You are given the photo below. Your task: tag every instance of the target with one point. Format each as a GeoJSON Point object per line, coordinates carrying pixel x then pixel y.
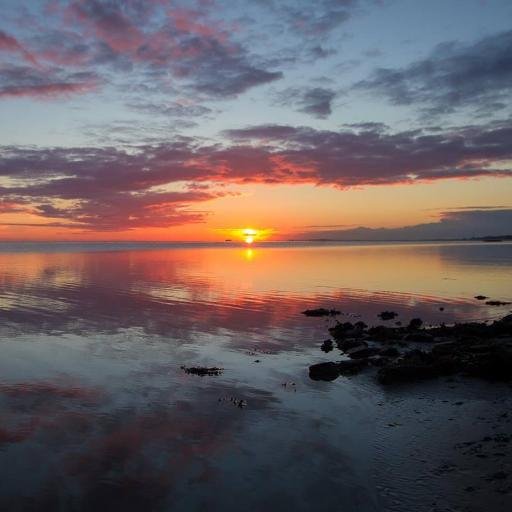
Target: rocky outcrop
{"type": "Point", "coordinates": [475, 349]}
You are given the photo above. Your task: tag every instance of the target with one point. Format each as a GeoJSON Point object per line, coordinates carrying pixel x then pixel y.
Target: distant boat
{"type": "Point", "coordinates": [228, 240]}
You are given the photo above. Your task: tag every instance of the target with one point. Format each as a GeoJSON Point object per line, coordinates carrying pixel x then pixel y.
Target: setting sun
{"type": "Point", "coordinates": [250, 235]}
{"type": "Point", "coordinates": [246, 235]}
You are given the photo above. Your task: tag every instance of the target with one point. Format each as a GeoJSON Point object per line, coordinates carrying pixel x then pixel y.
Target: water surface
{"type": "Point", "coordinates": [98, 415]}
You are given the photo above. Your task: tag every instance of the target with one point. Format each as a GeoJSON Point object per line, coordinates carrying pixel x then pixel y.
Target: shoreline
{"type": "Point", "coordinates": [441, 397]}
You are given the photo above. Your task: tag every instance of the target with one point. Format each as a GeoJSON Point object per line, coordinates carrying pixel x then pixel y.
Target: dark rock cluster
{"type": "Point", "coordinates": [202, 371]}
{"type": "Point", "coordinates": [474, 349]}
{"type": "Point", "coordinates": [321, 312]}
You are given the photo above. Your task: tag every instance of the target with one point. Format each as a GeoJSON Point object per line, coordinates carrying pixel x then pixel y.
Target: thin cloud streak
{"type": "Point", "coordinates": [451, 225]}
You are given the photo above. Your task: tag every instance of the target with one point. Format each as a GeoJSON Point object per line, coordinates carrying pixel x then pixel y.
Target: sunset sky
{"type": "Point", "coordinates": [164, 120]}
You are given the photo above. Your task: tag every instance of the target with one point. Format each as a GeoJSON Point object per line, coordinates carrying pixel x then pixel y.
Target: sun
{"type": "Point", "coordinates": [249, 235]}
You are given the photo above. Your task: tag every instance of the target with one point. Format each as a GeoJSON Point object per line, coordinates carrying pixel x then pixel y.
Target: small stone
{"type": "Point", "coordinates": [387, 315]}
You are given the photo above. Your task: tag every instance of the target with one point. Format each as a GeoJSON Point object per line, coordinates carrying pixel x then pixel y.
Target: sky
{"type": "Point", "coordinates": [187, 120]}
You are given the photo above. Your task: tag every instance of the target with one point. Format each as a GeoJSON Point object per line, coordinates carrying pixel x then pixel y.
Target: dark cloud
{"type": "Point", "coordinates": [316, 101]}
{"type": "Point", "coordinates": [216, 70]}
{"type": "Point", "coordinates": [103, 188]}
{"type": "Point", "coordinates": [150, 41]}
{"type": "Point", "coordinates": [10, 44]}
{"type": "Point", "coordinates": [453, 224]}
{"type": "Point", "coordinates": [18, 81]}
{"type": "Point", "coordinates": [127, 211]}
{"type": "Point", "coordinates": [62, 47]}
{"type": "Point", "coordinates": [108, 188]}
{"type": "Point", "coordinates": [454, 76]}
{"type": "Point", "coordinates": [185, 44]}
{"type": "Point", "coordinates": [374, 156]}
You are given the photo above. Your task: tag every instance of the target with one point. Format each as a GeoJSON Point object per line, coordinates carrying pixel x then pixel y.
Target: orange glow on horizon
{"type": "Point", "coordinates": [250, 235]}
{"type": "Point", "coordinates": [247, 235]}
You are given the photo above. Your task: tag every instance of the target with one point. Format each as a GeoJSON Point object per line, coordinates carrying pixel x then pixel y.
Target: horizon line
{"type": "Point", "coordinates": [242, 243]}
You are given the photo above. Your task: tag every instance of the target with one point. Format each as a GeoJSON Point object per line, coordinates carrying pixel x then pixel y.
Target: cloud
{"type": "Point", "coordinates": [159, 40]}
{"type": "Point", "coordinates": [103, 188]}
{"type": "Point", "coordinates": [319, 52]}
{"type": "Point", "coordinates": [219, 72]}
{"type": "Point", "coordinates": [141, 42]}
{"type": "Point", "coordinates": [316, 101]}
{"type": "Point", "coordinates": [454, 76]}
{"type": "Point", "coordinates": [22, 81]}
{"type": "Point", "coordinates": [12, 45]}
{"type": "Point", "coordinates": [108, 188]}
{"type": "Point", "coordinates": [62, 47]}
{"type": "Point", "coordinates": [375, 156]}
{"type": "Point", "coordinates": [126, 211]}
{"type": "Point", "coordinates": [46, 90]}
{"type": "Point", "coordinates": [313, 19]}
{"type": "Point", "coordinates": [453, 224]}
{"type": "Point", "coordinates": [171, 109]}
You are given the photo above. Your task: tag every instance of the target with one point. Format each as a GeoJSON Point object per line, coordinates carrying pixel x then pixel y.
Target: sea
{"type": "Point", "coordinates": [98, 412]}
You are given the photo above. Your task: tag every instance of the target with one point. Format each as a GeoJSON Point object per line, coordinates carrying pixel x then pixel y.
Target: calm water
{"type": "Point", "coordinates": [96, 413]}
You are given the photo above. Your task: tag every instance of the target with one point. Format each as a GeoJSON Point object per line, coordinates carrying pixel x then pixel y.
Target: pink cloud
{"type": "Point", "coordinates": [107, 23]}
{"type": "Point", "coordinates": [11, 44]}
{"type": "Point", "coordinates": [114, 189]}
{"type": "Point", "coordinates": [47, 90]}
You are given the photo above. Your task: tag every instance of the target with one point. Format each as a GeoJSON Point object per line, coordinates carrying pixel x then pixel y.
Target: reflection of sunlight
{"type": "Point", "coordinates": [249, 239]}
{"type": "Point", "coordinates": [249, 254]}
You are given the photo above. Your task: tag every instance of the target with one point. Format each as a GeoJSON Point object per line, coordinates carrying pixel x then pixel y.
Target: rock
{"type": "Point", "coordinates": [481, 297]}
{"type": "Point", "coordinates": [416, 365]}
{"type": "Point", "coordinates": [500, 475]}
{"type": "Point", "coordinates": [339, 331]}
{"type": "Point", "coordinates": [346, 345]}
{"type": "Point", "coordinates": [362, 352]}
{"type": "Point", "coordinates": [327, 346]}
{"type": "Point", "coordinates": [320, 312]}
{"type": "Point", "coordinates": [347, 330]}
{"type": "Point", "coordinates": [447, 347]}
{"type": "Point", "coordinates": [507, 320]}
{"type": "Point", "coordinates": [387, 315]}
{"type": "Point", "coordinates": [421, 337]}
{"type": "Point", "coordinates": [389, 352]}
{"type": "Point", "coordinates": [202, 371]}
{"type": "Point", "coordinates": [415, 323]}
{"type": "Point", "coordinates": [478, 349]}
{"type": "Point", "coordinates": [383, 333]}
{"type": "Point", "coordinates": [495, 365]}
{"type": "Point", "coordinates": [324, 371]}
{"type": "Point", "coordinates": [379, 361]}
{"type": "Point", "coordinates": [497, 303]}
{"type": "Point", "coordinates": [352, 367]}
